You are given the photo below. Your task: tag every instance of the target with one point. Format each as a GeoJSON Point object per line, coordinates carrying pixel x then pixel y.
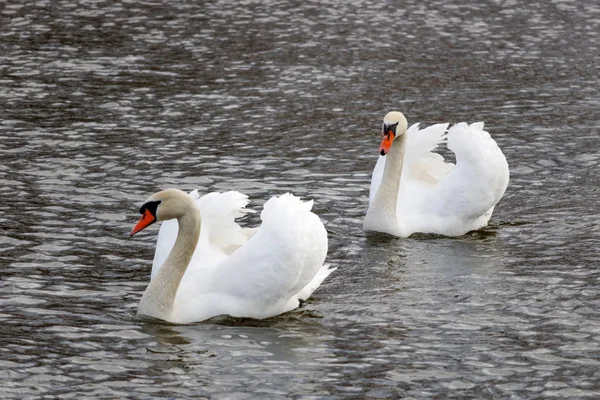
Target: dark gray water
{"type": "Point", "coordinates": [102, 104]}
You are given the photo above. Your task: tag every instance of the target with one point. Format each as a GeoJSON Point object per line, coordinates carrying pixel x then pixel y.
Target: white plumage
{"type": "Point", "coordinates": [435, 196]}
{"type": "Point", "coordinates": [255, 273]}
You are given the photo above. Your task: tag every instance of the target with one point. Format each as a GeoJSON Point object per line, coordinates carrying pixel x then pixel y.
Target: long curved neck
{"type": "Point", "coordinates": [159, 298]}
{"type": "Point", "coordinates": [381, 215]}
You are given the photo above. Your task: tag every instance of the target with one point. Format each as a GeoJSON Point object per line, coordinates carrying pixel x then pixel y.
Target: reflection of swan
{"type": "Point", "coordinates": [240, 346]}
{"type": "Point", "coordinates": [213, 268]}
{"type": "Point", "coordinates": [414, 190]}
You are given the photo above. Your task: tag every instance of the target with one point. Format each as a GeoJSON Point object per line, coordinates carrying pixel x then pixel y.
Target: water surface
{"type": "Point", "coordinates": [102, 104]}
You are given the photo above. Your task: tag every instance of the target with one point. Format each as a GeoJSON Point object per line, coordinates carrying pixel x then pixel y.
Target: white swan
{"type": "Point", "coordinates": [415, 190]}
{"type": "Point", "coordinates": [206, 265]}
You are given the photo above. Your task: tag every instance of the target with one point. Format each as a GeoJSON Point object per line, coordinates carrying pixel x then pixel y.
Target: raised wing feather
{"type": "Point", "coordinates": [219, 211]}
{"type": "Point", "coordinates": [420, 162]}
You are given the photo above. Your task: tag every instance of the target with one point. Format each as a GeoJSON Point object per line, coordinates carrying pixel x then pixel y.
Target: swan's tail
{"type": "Point", "coordinates": [308, 290]}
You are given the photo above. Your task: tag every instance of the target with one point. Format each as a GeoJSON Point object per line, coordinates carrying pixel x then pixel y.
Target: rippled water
{"type": "Point", "coordinates": [102, 104]}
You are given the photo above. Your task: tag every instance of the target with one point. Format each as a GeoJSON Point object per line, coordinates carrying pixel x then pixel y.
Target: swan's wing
{"type": "Point", "coordinates": [483, 167]}
{"type": "Point", "coordinates": [280, 259]}
{"type": "Point", "coordinates": [479, 180]}
{"type": "Point", "coordinates": [219, 211]}
{"type": "Point", "coordinates": [420, 162]}
{"type": "Point", "coordinates": [219, 233]}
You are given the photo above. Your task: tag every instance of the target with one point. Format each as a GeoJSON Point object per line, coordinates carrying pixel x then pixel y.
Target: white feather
{"type": "Point", "coordinates": [439, 197]}
{"type": "Point", "coordinates": [267, 273]}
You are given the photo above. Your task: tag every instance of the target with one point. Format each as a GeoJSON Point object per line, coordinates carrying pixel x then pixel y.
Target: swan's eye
{"type": "Point", "coordinates": [392, 127]}
{"type": "Point", "coordinates": [151, 206]}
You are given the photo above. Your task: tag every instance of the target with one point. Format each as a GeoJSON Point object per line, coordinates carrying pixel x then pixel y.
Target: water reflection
{"type": "Point", "coordinates": [285, 343]}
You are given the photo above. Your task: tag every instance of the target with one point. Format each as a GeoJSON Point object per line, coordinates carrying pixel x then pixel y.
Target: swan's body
{"type": "Point", "coordinates": [415, 190]}
{"type": "Point", "coordinates": [206, 265]}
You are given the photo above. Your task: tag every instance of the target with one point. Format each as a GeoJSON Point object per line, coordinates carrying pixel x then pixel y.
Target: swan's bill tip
{"type": "Point", "coordinates": [386, 142]}
{"type": "Point", "coordinates": [145, 221]}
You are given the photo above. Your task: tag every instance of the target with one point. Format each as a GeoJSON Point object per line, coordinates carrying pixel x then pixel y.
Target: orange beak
{"type": "Point", "coordinates": [386, 143]}
{"type": "Point", "coordinates": [146, 220]}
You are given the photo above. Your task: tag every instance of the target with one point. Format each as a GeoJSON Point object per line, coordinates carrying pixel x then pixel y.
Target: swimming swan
{"type": "Point", "coordinates": [206, 265]}
{"type": "Point", "coordinates": [415, 190]}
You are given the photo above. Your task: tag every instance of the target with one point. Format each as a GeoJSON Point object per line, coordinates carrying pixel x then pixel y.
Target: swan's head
{"type": "Point", "coordinates": [161, 206]}
{"type": "Point", "coordinates": [394, 125]}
